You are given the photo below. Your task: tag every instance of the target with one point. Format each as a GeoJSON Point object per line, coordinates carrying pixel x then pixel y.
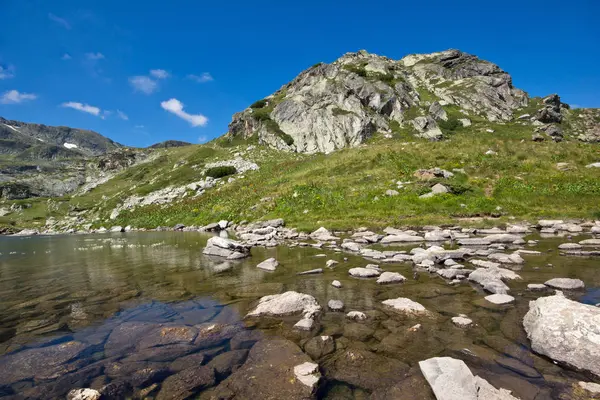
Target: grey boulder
{"type": "Point", "coordinates": [565, 331]}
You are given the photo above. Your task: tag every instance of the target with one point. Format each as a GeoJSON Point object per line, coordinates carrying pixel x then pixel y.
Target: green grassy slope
{"type": "Point", "coordinates": [346, 188]}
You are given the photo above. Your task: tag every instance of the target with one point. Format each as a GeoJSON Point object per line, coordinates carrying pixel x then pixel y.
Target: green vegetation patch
{"type": "Point", "coordinates": [219, 172]}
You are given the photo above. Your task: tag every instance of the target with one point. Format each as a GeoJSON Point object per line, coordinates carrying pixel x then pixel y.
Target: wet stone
{"type": "Point", "coordinates": [267, 374]}
{"type": "Point", "coordinates": [245, 339]}
{"type": "Point", "coordinates": [356, 331]}
{"type": "Point", "coordinates": [364, 369]}
{"type": "Point", "coordinates": [186, 383]}
{"type": "Point", "coordinates": [225, 363]}
{"type": "Point", "coordinates": [319, 346]}
{"type": "Point", "coordinates": [30, 363]}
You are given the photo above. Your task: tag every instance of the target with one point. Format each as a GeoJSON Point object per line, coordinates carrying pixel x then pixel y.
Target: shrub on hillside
{"type": "Point", "coordinates": [449, 126]}
{"type": "Point", "coordinates": [219, 172]}
{"type": "Point", "coordinates": [259, 104]}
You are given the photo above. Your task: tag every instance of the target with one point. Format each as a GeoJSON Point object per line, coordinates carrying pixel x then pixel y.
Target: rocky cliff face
{"type": "Point", "coordinates": [337, 105]}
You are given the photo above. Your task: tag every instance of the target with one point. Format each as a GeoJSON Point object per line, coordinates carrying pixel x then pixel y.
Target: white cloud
{"type": "Point", "coordinates": [205, 77]}
{"type": "Point", "coordinates": [61, 21]}
{"type": "Point", "coordinates": [7, 72]}
{"type": "Point", "coordinates": [202, 139]}
{"type": "Point", "coordinates": [176, 107]}
{"type": "Point", "coordinates": [82, 107]}
{"type": "Point", "coordinates": [15, 97]}
{"type": "Point", "coordinates": [94, 56]}
{"type": "Point", "coordinates": [159, 73]}
{"type": "Point", "coordinates": [66, 56]}
{"type": "Point", "coordinates": [139, 127]}
{"type": "Point", "coordinates": [143, 84]}
{"type": "Point", "coordinates": [122, 115]}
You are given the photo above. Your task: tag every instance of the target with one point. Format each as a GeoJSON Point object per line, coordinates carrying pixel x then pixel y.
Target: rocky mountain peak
{"type": "Point", "coordinates": [341, 104]}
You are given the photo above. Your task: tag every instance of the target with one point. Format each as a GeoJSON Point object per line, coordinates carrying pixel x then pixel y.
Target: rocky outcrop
{"type": "Point", "coordinates": [337, 105]}
{"type": "Point", "coordinates": [566, 331]}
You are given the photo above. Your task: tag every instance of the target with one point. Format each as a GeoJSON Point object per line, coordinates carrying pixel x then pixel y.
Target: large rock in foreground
{"type": "Point", "coordinates": [270, 373]}
{"type": "Point", "coordinates": [565, 330]}
{"type": "Point", "coordinates": [451, 379]}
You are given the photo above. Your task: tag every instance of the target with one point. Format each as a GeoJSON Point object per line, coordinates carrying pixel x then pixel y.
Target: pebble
{"type": "Point", "coordinates": [336, 284]}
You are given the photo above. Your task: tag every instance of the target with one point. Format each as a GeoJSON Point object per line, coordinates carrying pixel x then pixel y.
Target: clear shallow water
{"type": "Point", "coordinates": [77, 291]}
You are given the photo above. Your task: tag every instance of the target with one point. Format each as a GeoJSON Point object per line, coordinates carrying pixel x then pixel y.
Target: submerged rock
{"type": "Point", "coordinates": [270, 373]}
{"type": "Point", "coordinates": [43, 361]}
{"type": "Point", "coordinates": [364, 369]}
{"type": "Point", "coordinates": [270, 264]}
{"type": "Point", "coordinates": [565, 330]}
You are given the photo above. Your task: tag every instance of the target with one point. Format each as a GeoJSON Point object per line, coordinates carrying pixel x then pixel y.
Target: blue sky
{"type": "Point", "coordinates": [141, 72]}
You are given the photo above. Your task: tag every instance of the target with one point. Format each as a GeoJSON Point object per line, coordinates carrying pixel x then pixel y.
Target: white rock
{"type": "Point", "coordinates": [335, 305]}
{"type": "Point", "coordinates": [356, 315]}
{"type": "Point", "coordinates": [462, 322]}
{"type": "Point", "coordinates": [536, 286]}
{"type": "Point", "coordinates": [593, 165]}
{"type": "Point", "coordinates": [548, 223]}
{"type": "Point", "coordinates": [390, 277]}
{"type": "Point", "coordinates": [502, 238]}
{"type": "Point", "coordinates": [401, 238]}
{"type": "Point", "coordinates": [503, 258]}
{"type": "Point", "coordinates": [288, 303]}
{"type": "Point", "coordinates": [336, 284]}
{"type": "Point", "coordinates": [270, 264]}
{"type": "Point", "coordinates": [331, 263]}
{"type": "Point", "coordinates": [323, 234]}
{"type": "Point", "coordinates": [305, 324]}
{"type": "Point", "coordinates": [565, 283]}
{"type": "Point", "coordinates": [307, 373]}
{"type": "Point", "coordinates": [500, 298]}
{"type": "Point", "coordinates": [565, 330]}
{"type": "Point", "coordinates": [83, 394]}
{"type": "Point", "coordinates": [590, 242]}
{"type": "Point", "coordinates": [570, 246]}
{"type": "Point", "coordinates": [590, 387]}
{"type": "Point", "coordinates": [451, 379]}
{"type": "Point", "coordinates": [351, 246]}
{"type": "Point", "coordinates": [484, 264]}
{"type": "Point", "coordinates": [363, 272]}
{"type": "Point", "coordinates": [405, 305]}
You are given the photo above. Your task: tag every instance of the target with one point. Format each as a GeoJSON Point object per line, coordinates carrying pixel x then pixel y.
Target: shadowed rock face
{"type": "Point", "coordinates": [337, 105]}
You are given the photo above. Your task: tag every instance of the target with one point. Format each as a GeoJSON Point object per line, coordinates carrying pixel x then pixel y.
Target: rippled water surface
{"type": "Point", "coordinates": [133, 309]}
